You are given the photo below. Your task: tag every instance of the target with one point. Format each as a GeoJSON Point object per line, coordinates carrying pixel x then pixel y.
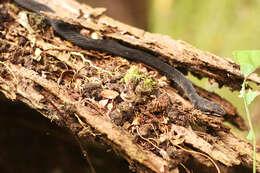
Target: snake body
{"type": "Point", "coordinates": [114, 48]}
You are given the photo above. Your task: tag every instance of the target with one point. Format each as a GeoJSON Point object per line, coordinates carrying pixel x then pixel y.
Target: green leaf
{"type": "Point", "coordinates": [250, 135]}
{"type": "Point", "coordinates": [250, 96]}
{"type": "Point", "coordinates": [248, 60]}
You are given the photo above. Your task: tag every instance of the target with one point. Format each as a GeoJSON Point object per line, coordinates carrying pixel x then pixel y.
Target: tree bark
{"type": "Point", "coordinates": [155, 128]}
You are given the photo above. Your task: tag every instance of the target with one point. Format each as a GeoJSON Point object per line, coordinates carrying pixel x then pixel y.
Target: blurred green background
{"type": "Point", "coordinates": [219, 27]}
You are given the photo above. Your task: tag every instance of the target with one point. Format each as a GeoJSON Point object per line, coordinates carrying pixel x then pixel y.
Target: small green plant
{"type": "Point", "coordinates": [249, 61]}
{"type": "Point", "coordinates": [133, 73]}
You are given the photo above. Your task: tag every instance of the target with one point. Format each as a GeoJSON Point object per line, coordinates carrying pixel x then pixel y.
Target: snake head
{"type": "Point", "coordinates": [209, 107]}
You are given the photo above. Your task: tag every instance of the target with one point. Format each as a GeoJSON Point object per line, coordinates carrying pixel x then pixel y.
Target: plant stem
{"type": "Point", "coordinates": [251, 129]}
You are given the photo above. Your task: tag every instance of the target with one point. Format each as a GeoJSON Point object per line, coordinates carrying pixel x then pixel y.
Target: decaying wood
{"type": "Point", "coordinates": [155, 128]}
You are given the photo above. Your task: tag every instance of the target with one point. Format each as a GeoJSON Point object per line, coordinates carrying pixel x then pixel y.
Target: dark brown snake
{"type": "Point", "coordinates": [114, 48]}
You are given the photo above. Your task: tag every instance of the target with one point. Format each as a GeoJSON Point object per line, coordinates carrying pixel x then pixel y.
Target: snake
{"type": "Point", "coordinates": [66, 31]}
